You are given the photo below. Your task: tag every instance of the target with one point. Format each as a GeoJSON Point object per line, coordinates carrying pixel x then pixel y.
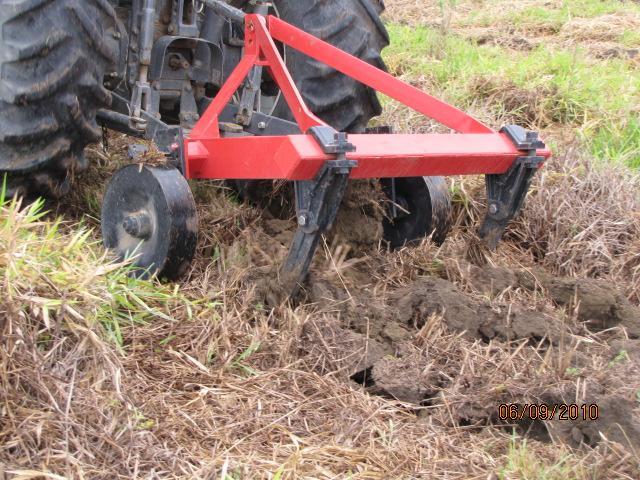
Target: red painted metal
{"type": "Point", "coordinates": [299, 157]}
{"type": "Point", "coordinates": [375, 78]}
{"type": "Point", "coordinates": [304, 117]}
{"type": "Point", "coordinates": [477, 149]}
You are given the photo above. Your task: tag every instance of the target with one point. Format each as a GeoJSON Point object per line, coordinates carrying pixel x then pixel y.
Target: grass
{"type": "Point", "coordinates": [565, 11]}
{"type": "Point", "coordinates": [52, 269]}
{"type": "Point", "coordinates": [598, 100]}
{"type": "Point", "coordinates": [107, 376]}
{"type": "Point", "coordinates": [522, 462]}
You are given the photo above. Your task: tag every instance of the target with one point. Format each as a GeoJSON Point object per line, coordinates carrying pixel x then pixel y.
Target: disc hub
{"type": "Point", "coordinates": [138, 225]}
{"type": "Point", "coordinates": [418, 207]}
{"type": "Point", "coordinates": [149, 216]}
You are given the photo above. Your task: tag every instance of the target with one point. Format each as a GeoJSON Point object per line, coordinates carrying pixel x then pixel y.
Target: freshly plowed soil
{"type": "Point", "coordinates": [414, 342]}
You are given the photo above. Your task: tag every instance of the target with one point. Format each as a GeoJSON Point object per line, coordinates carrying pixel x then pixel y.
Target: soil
{"type": "Point", "coordinates": [597, 303]}
{"type": "Point", "coordinates": [359, 221]}
{"type": "Point", "coordinates": [476, 318]}
{"type": "Point", "coordinates": [371, 339]}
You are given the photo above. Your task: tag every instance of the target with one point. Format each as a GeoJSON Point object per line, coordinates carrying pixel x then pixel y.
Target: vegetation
{"type": "Point", "coordinates": [106, 376]}
{"type": "Point", "coordinates": [544, 85]}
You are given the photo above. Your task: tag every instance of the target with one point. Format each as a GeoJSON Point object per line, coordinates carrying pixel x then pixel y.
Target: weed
{"type": "Point", "coordinates": [523, 462]}
{"type": "Point", "coordinates": [239, 364]}
{"type": "Point", "coordinates": [622, 356]}
{"type": "Point", "coordinates": [54, 271]}
{"type": "Point", "coordinates": [572, 371]}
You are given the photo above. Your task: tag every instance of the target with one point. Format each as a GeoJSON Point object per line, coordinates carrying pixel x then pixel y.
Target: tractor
{"type": "Point", "coordinates": [245, 91]}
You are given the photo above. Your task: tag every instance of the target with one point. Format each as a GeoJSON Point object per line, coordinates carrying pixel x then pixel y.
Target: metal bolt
{"type": "Point", "coordinates": [138, 225]}
{"type": "Point", "coordinates": [493, 209]}
{"type": "Point", "coordinates": [302, 220]}
{"type": "Point", "coordinates": [262, 125]}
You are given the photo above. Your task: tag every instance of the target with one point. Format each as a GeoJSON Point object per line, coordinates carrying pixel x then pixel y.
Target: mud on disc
{"type": "Point", "coordinates": [149, 212]}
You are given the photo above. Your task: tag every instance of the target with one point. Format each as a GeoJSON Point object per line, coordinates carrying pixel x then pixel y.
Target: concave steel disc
{"type": "Point", "coordinates": [149, 212]}
{"type": "Point", "coordinates": [422, 207]}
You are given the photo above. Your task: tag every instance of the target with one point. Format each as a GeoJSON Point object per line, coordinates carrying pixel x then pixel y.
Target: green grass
{"type": "Point", "coordinates": [522, 462]}
{"type": "Point", "coordinates": [547, 16]}
{"type": "Point", "coordinates": [51, 271]}
{"type": "Point", "coordinates": [594, 98]}
{"type": "Point", "coordinates": [630, 38]}
{"type": "Point", "coordinates": [618, 141]}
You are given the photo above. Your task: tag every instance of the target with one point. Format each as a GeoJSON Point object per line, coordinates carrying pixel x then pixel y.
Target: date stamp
{"type": "Point", "coordinates": [559, 411]}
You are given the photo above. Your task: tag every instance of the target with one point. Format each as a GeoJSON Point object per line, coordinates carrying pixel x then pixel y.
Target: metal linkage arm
{"type": "Point", "coordinates": [225, 10]}
{"type": "Point", "coordinates": [375, 78]}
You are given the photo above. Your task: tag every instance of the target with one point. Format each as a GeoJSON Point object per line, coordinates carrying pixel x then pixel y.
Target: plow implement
{"type": "Point", "coordinates": [149, 210]}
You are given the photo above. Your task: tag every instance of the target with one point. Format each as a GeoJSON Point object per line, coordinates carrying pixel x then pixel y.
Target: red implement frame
{"type": "Point", "coordinates": [475, 149]}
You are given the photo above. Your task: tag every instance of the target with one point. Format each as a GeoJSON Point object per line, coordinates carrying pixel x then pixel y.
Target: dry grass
{"type": "Point", "coordinates": [102, 376]}
{"type": "Point", "coordinates": [606, 28]}
{"type": "Point", "coordinates": [105, 377]}
{"type": "Point", "coordinates": [584, 221]}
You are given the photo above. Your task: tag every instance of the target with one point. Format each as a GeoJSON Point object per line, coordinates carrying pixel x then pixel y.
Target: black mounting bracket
{"type": "Point", "coordinates": [507, 192]}
{"type": "Point", "coordinates": [331, 141]}
{"type": "Point", "coordinates": [317, 205]}
{"type": "Point", "coordinates": [524, 140]}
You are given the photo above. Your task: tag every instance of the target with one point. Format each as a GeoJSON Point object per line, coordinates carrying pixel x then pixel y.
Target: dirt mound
{"type": "Point", "coordinates": [478, 319]}
{"type": "Point", "coordinates": [457, 355]}
{"type": "Point", "coordinates": [359, 221]}
{"type": "Point", "coordinates": [597, 303]}
{"type": "Point", "coordinates": [504, 37]}
{"type": "Point", "coordinates": [609, 50]}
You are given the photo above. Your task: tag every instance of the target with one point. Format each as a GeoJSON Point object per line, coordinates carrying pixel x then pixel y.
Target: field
{"type": "Point", "coordinates": [395, 364]}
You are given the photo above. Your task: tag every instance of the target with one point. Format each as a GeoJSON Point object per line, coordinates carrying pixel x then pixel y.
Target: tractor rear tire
{"type": "Point", "coordinates": [54, 55]}
{"type": "Point", "coordinates": [344, 103]}
{"type": "Point", "coordinates": [353, 26]}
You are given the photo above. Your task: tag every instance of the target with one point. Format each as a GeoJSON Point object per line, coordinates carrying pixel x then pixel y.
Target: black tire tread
{"type": "Point", "coordinates": [53, 59]}
{"type": "Point", "coordinates": [353, 26]}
